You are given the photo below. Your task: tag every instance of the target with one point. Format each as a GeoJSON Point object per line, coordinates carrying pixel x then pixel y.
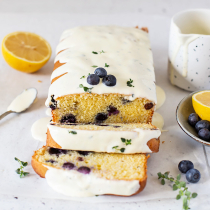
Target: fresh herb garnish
{"type": "Point", "coordinates": [129, 83]}
{"type": "Point", "coordinates": [86, 89]}
{"type": "Point", "coordinates": [126, 141]}
{"type": "Point", "coordinates": [183, 190]}
{"type": "Point", "coordinates": [73, 132]}
{"type": "Point", "coordinates": [122, 150]}
{"type": "Point", "coordinates": [94, 66]}
{"type": "Point", "coordinates": [116, 148]}
{"type": "Point", "coordinates": [102, 52]}
{"type": "Point", "coordinates": [20, 170]}
{"type": "Point", "coordinates": [94, 52]}
{"type": "Point", "coordinates": [84, 76]}
{"type": "Point", "coordinates": [106, 65]}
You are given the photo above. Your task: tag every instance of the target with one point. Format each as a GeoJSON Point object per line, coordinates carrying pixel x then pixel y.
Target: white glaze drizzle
{"type": "Point", "coordinates": [39, 129]}
{"type": "Point", "coordinates": [157, 120]}
{"type": "Point", "coordinates": [103, 140]}
{"type": "Point", "coordinates": [161, 97]}
{"type": "Point", "coordinates": [23, 100]}
{"type": "Point", "coordinates": [127, 52]}
{"type": "Point", "coordinates": [48, 112]}
{"type": "Point", "coordinates": [75, 184]}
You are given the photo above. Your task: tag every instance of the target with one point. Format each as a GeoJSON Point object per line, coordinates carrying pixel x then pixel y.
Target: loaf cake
{"type": "Point", "coordinates": [77, 173]}
{"type": "Point", "coordinates": [111, 138]}
{"type": "Point", "coordinates": [125, 93]}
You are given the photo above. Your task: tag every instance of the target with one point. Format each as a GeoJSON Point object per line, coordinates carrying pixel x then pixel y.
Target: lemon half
{"type": "Point", "coordinates": [25, 51]}
{"type": "Point", "coordinates": [201, 104]}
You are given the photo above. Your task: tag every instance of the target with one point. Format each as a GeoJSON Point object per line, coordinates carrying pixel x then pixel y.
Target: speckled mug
{"type": "Point", "coordinates": [189, 50]}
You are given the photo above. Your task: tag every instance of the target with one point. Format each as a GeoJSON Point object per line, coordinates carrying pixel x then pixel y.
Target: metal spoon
{"type": "Point", "coordinates": [25, 108]}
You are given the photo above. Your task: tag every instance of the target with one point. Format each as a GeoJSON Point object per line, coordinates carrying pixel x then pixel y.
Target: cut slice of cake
{"type": "Point", "coordinates": [75, 173]}
{"type": "Point", "coordinates": [103, 74]}
{"type": "Point", "coordinates": [111, 138]}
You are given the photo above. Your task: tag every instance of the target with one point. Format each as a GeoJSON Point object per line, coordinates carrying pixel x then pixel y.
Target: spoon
{"type": "Point", "coordinates": [22, 102]}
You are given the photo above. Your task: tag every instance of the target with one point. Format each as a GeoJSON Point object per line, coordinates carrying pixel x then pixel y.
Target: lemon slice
{"type": "Point", "coordinates": [25, 51]}
{"type": "Point", "coordinates": [201, 104]}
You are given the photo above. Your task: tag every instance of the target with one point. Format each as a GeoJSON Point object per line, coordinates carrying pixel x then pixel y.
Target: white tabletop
{"type": "Point", "coordinates": [38, 17]}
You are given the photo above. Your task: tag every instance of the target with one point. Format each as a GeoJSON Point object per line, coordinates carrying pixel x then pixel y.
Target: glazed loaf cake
{"type": "Point", "coordinates": [111, 138]}
{"type": "Point", "coordinates": [77, 173]}
{"type": "Point", "coordinates": [127, 96]}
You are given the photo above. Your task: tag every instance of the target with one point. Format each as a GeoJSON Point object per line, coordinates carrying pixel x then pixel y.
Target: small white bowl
{"type": "Point", "coordinates": [184, 109]}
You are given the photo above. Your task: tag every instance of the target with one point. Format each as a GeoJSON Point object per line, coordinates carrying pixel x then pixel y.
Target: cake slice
{"type": "Point", "coordinates": [80, 173]}
{"type": "Point", "coordinates": [81, 92]}
{"type": "Point", "coordinates": [111, 138]}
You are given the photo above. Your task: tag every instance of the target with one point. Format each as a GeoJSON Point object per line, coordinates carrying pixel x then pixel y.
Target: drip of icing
{"type": "Point", "coordinates": [161, 97]}
{"type": "Point", "coordinates": [103, 140]}
{"type": "Point", "coordinates": [48, 112]}
{"type": "Point", "coordinates": [73, 183]}
{"type": "Point", "coordinates": [39, 129]}
{"type": "Point", "coordinates": [23, 101]}
{"type": "Point", "coordinates": [158, 121]}
{"type": "Point", "coordinates": [126, 51]}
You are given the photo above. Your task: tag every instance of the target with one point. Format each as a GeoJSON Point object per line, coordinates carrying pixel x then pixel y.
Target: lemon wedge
{"type": "Point", "coordinates": [201, 104]}
{"type": "Point", "coordinates": [25, 51]}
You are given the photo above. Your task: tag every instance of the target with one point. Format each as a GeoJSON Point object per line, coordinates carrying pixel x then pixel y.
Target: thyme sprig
{"type": "Point", "coordinates": [86, 89]}
{"type": "Point", "coordinates": [126, 141]}
{"type": "Point", "coordinates": [129, 83]}
{"type": "Point", "coordinates": [184, 193]}
{"type": "Point", "coordinates": [94, 52]}
{"type": "Point", "coordinates": [20, 170]}
{"type": "Point", "coordinates": [117, 149]}
{"type": "Point", "coordinates": [84, 76]}
{"type": "Point", "coordinates": [73, 132]}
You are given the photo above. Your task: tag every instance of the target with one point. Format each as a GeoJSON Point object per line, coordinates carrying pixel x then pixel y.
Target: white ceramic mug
{"type": "Point", "coordinates": [189, 50]}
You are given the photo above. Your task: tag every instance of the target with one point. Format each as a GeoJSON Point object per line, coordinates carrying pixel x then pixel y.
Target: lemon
{"type": "Point", "coordinates": [201, 104]}
{"type": "Point", "coordinates": [25, 51]}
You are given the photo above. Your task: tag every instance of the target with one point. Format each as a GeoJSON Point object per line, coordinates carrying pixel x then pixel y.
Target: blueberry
{"type": "Point", "coordinates": [193, 176]}
{"type": "Point", "coordinates": [202, 124]}
{"type": "Point", "coordinates": [69, 118]}
{"type": "Point", "coordinates": [63, 151]}
{"type": "Point", "coordinates": [100, 117]}
{"type": "Point", "coordinates": [193, 119]}
{"type": "Point", "coordinates": [68, 165]}
{"type": "Point", "coordinates": [204, 134]}
{"type": "Point", "coordinates": [112, 110]}
{"type": "Point", "coordinates": [148, 106]}
{"type": "Point", "coordinates": [101, 72]}
{"type": "Point", "coordinates": [185, 165]}
{"type": "Point", "coordinates": [93, 79]}
{"type": "Point", "coordinates": [109, 80]}
{"type": "Point", "coordinates": [80, 159]}
{"type": "Point", "coordinates": [51, 161]}
{"type": "Point", "coordinates": [84, 153]}
{"type": "Point", "coordinates": [84, 170]}
{"type": "Point", "coordinates": [54, 151]}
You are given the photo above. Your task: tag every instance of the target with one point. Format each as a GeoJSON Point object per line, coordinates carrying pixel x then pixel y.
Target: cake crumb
{"type": "Point", "coordinates": [39, 81]}
{"type": "Point", "coordinates": [163, 142]}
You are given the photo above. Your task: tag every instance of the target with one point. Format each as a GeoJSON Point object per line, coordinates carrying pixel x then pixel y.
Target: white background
{"type": "Point", "coordinates": [22, 15]}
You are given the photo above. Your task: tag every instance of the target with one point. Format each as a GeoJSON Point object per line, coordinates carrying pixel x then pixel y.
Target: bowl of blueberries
{"type": "Point", "coordinates": [190, 122]}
